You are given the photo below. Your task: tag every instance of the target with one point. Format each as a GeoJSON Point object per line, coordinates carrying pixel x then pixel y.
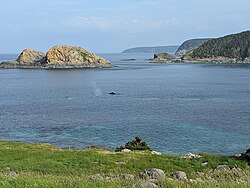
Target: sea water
{"type": "Point", "coordinates": [175, 108]}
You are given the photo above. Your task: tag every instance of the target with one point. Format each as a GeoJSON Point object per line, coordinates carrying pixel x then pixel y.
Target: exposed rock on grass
{"type": "Point", "coordinates": [179, 175]}
{"type": "Point", "coordinates": [152, 173]}
{"type": "Point", "coordinates": [191, 156]}
{"type": "Point", "coordinates": [222, 167]}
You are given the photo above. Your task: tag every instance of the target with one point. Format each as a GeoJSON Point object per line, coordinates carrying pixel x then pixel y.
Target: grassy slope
{"type": "Point", "coordinates": [43, 165]}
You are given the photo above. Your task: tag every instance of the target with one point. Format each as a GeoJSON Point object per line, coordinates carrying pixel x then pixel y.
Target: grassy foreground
{"type": "Point", "coordinates": [43, 165]}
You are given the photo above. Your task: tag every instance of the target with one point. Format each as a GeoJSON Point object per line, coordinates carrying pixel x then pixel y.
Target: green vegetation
{"type": "Point", "coordinates": [162, 55]}
{"type": "Point", "coordinates": [84, 55]}
{"type": "Point", "coordinates": [136, 144]}
{"type": "Point", "coordinates": [43, 165]}
{"type": "Point", "coordinates": [231, 46]}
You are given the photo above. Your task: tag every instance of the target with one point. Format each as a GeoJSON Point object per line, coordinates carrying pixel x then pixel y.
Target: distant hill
{"type": "Point", "coordinates": [155, 49]}
{"type": "Point", "coordinates": [190, 45]}
{"type": "Point", "coordinates": [234, 46]}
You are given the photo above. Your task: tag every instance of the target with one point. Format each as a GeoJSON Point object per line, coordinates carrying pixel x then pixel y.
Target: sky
{"type": "Point", "coordinates": [105, 26]}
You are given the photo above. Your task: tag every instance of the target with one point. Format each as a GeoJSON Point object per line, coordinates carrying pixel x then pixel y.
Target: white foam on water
{"type": "Point", "coordinates": [97, 90]}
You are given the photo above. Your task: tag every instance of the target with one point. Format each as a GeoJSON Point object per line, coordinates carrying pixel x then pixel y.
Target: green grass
{"type": "Point", "coordinates": [43, 165]}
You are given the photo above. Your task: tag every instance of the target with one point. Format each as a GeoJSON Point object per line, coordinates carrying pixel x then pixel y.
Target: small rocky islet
{"type": "Point", "coordinates": [58, 57]}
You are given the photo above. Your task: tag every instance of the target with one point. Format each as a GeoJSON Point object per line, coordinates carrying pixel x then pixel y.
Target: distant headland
{"type": "Point", "coordinates": [61, 57]}
{"type": "Point", "coordinates": [234, 48]}
{"type": "Point", "coordinates": [189, 45]}
{"type": "Point", "coordinates": [155, 49]}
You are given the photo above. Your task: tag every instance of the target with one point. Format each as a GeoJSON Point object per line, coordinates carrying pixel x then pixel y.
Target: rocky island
{"type": "Point", "coordinates": [233, 48]}
{"type": "Point", "coordinates": [58, 57]}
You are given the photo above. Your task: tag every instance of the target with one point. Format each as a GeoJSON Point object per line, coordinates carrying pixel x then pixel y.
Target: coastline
{"type": "Point", "coordinates": [51, 67]}
{"type": "Point", "coordinates": [200, 61]}
{"type": "Point", "coordinates": [65, 148]}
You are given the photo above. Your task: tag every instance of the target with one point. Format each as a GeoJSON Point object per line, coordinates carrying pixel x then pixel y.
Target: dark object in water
{"type": "Point", "coordinates": [112, 93]}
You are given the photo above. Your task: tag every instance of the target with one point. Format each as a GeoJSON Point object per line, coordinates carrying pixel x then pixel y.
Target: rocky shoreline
{"type": "Point", "coordinates": [172, 59]}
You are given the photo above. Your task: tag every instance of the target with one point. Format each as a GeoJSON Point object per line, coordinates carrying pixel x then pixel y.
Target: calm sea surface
{"type": "Point", "coordinates": [175, 108]}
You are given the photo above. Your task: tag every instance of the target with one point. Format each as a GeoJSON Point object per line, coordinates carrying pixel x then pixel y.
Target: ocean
{"type": "Point", "coordinates": [175, 108]}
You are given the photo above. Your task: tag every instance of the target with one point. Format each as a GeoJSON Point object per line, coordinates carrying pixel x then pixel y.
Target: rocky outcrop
{"type": "Point", "coordinates": [162, 56]}
{"type": "Point", "coordinates": [155, 153]}
{"type": "Point", "coordinates": [146, 184]}
{"type": "Point", "coordinates": [31, 57]}
{"type": "Point", "coordinates": [222, 167]}
{"type": "Point", "coordinates": [126, 150]}
{"type": "Point", "coordinates": [27, 59]}
{"type": "Point", "coordinates": [74, 57]}
{"type": "Point", "coordinates": [165, 58]}
{"type": "Point", "coordinates": [57, 57]}
{"type": "Point", "coordinates": [152, 173]}
{"type": "Point", "coordinates": [191, 156]}
{"type": "Point", "coordinates": [179, 175]}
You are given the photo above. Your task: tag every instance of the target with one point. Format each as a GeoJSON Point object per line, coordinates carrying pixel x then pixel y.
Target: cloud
{"type": "Point", "coordinates": [87, 22]}
{"type": "Point", "coordinates": [155, 24]}
{"type": "Point", "coordinates": [105, 24]}
{"type": "Point", "coordinates": [95, 23]}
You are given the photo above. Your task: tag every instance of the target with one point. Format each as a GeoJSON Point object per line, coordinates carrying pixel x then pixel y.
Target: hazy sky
{"type": "Point", "coordinates": [113, 25]}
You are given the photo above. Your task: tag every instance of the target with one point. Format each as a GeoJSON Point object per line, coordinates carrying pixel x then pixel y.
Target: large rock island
{"type": "Point", "coordinates": [58, 57]}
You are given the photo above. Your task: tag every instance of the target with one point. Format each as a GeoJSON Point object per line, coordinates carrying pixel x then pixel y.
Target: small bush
{"type": "Point", "coordinates": [246, 156]}
{"type": "Point", "coordinates": [136, 144]}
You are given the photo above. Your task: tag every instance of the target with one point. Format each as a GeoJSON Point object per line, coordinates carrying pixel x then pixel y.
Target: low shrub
{"type": "Point", "coordinates": [136, 144]}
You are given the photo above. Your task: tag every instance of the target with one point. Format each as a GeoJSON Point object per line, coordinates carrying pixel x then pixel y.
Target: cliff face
{"type": "Point", "coordinates": [189, 45]}
{"type": "Point", "coordinates": [58, 57]}
{"type": "Point", "coordinates": [235, 46]}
